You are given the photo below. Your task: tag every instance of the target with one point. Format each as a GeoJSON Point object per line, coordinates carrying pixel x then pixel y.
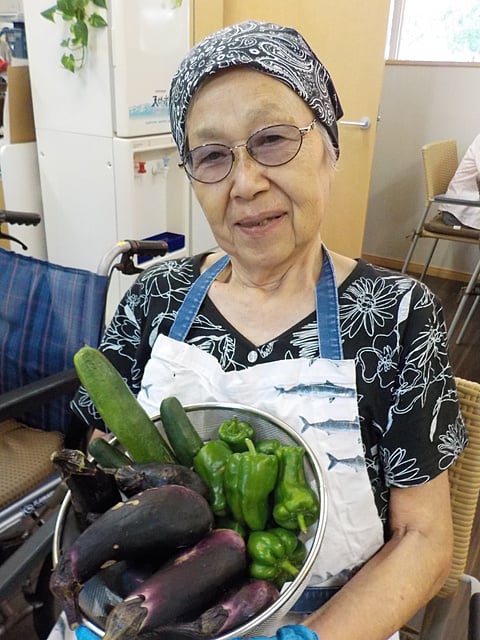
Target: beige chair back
{"type": "Point", "coordinates": [440, 161]}
{"type": "Point", "coordinates": [464, 477]}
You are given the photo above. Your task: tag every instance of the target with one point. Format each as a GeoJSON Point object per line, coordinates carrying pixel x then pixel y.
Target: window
{"type": "Point", "coordinates": [435, 30]}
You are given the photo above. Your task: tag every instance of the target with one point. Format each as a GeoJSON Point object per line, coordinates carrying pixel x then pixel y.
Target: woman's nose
{"type": "Point", "coordinates": [249, 176]}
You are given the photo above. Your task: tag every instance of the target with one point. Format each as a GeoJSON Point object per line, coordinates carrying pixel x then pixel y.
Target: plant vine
{"type": "Point", "coordinates": [81, 14]}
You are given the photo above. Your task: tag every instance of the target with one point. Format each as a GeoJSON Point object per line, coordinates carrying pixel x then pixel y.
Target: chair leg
{"type": "Point", "coordinates": [468, 290]}
{"type": "Point", "coordinates": [427, 262]}
{"type": "Point", "coordinates": [416, 235]}
{"type": "Point", "coordinates": [467, 321]}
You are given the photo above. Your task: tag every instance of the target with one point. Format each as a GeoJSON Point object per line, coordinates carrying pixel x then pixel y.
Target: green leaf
{"type": "Point", "coordinates": [49, 13]}
{"type": "Point", "coordinates": [100, 3]}
{"type": "Point", "coordinates": [65, 43]}
{"type": "Point", "coordinates": [66, 8]}
{"type": "Point", "coordinates": [80, 32]}
{"type": "Point", "coordinates": [68, 61]}
{"type": "Point", "coordinates": [96, 21]}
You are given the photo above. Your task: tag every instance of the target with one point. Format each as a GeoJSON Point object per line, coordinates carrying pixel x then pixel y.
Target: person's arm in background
{"type": "Point", "coordinates": [403, 576]}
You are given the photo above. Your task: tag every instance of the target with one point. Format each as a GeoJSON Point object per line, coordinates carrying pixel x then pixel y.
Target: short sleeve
{"type": "Point", "coordinates": [425, 431]}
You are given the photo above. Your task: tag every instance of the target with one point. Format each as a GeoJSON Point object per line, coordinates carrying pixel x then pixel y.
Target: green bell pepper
{"type": "Point", "coordinates": [234, 432]}
{"type": "Point", "coordinates": [210, 463]}
{"type": "Point", "coordinates": [270, 445]}
{"type": "Point", "coordinates": [276, 555]}
{"type": "Point", "coordinates": [224, 522]}
{"type": "Point", "coordinates": [249, 479]}
{"type": "Point", "coordinates": [296, 505]}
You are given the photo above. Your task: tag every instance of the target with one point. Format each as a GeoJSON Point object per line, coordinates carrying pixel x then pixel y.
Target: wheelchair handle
{"type": "Point", "coordinates": [148, 247]}
{"type": "Point", "coordinates": [19, 217]}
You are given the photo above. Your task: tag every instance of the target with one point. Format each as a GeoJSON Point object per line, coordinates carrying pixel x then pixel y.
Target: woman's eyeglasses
{"type": "Point", "coordinates": [271, 147]}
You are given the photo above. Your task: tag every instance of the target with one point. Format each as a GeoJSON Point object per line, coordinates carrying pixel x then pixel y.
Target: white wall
{"type": "Point", "coordinates": [420, 104]}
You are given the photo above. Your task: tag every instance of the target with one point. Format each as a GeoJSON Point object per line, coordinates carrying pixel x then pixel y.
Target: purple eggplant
{"type": "Point", "coordinates": [156, 522]}
{"type": "Point", "coordinates": [182, 588]}
{"type": "Point", "coordinates": [92, 490]}
{"type": "Point", "coordinates": [133, 478]}
{"type": "Point", "coordinates": [234, 610]}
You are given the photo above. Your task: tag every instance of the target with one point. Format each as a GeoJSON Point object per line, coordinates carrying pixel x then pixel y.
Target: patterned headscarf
{"type": "Point", "coordinates": [280, 52]}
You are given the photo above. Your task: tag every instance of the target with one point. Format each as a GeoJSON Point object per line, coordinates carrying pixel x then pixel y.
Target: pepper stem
{"type": "Point", "coordinates": [250, 445]}
{"type": "Point", "coordinates": [301, 523]}
{"type": "Point", "coordinates": [289, 568]}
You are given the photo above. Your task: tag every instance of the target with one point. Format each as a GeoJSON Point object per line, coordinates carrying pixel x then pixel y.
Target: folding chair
{"type": "Point", "coordinates": [47, 312]}
{"type": "Point", "coordinates": [464, 479]}
{"type": "Point", "coordinates": [440, 162]}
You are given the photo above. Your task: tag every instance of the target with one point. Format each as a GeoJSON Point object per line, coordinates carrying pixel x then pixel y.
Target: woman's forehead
{"type": "Point", "coordinates": [252, 94]}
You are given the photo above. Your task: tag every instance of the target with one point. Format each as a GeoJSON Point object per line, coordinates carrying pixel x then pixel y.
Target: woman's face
{"type": "Point", "coordinates": [260, 215]}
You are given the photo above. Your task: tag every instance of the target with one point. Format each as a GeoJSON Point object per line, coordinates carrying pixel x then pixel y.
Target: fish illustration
{"type": "Point", "coordinates": [329, 426]}
{"type": "Point", "coordinates": [146, 389]}
{"type": "Point", "coordinates": [327, 388]}
{"type": "Point", "coordinates": [355, 462]}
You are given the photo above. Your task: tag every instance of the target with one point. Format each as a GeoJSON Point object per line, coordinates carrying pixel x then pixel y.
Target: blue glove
{"type": "Point", "coordinates": [290, 632]}
{"type": "Point", "coordinates": [83, 633]}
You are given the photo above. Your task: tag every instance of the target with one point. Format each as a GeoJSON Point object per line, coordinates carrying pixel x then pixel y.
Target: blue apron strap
{"type": "Point", "coordinates": [329, 337]}
{"type": "Point", "coordinates": [328, 317]}
{"type": "Point", "coordinates": [194, 298]}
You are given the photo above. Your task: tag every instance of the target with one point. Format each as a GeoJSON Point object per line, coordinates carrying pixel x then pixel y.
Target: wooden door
{"type": "Point", "coordinates": [349, 37]}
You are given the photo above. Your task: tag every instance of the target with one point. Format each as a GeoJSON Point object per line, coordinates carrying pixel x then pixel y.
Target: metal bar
{"type": "Point", "coordinates": [363, 123]}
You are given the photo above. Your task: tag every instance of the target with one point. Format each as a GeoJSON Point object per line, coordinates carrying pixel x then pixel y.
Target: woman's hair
{"type": "Point", "coordinates": [280, 52]}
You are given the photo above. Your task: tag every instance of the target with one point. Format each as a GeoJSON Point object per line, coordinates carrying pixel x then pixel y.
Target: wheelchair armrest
{"type": "Point", "coordinates": [38, 392]}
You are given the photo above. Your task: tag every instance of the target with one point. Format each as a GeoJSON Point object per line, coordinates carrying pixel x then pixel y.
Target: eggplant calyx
{"type": "Point", "coordinates": [126, 619]}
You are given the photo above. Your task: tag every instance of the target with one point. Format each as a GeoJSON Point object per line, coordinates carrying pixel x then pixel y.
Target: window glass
{"type": "Point", "coordinates": [437, 30]}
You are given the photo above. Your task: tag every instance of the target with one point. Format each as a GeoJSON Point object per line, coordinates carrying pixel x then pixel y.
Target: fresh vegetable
{"type": "Point", "coordinates": [107, 455]}
{"type": "Point", "coordinates": [235, 432]}
{"type": "Point", "coordinates": [182, 435]}
{"type": "Point", "coordinates": [235, 609]}
{"type": "Point", "coordinates": [277, 555]}
{"type": "Point", "coordinates": [119, 408]}
{"type": "Point", "coordinates": [183, 587]}
{"type": "Point", "coordinates": [225, 522]}
{"type": "Point", "coordinates": [270, 445]}
{"type": "Point", "coordinates": [296, 505]}
{"type": "Point", "coordinates": [134, 478]}
{"type": "Point", "coordinates": [210, 463]}
{"type": "Point", "coordinates": [249, 479]}
{"type": "Point", "coordinates": [136, 528]}
{"type": "Point", "coordinates": [92, 491]}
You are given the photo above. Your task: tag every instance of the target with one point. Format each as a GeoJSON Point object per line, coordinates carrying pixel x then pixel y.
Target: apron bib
{"type": "Point", "coordinates": [317, 397]}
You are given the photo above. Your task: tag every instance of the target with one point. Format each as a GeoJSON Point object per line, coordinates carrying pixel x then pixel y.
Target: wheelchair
{"type": "Point", "coordinates": [47, 312]}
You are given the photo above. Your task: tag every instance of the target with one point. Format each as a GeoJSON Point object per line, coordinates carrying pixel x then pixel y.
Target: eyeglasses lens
{"type": "Point", "coordinates": [272, 147]}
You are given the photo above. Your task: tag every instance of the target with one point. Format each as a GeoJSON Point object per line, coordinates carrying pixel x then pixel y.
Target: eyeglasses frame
{"type": "Point", "coordinates": [302, 130]}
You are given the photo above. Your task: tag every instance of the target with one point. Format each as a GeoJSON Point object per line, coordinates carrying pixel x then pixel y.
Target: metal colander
{"type": "Point", "coordinates": [96, 596]}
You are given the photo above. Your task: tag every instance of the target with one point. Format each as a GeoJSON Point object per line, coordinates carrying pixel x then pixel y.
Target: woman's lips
{"type": "Point", "coordinates": [259, 221]}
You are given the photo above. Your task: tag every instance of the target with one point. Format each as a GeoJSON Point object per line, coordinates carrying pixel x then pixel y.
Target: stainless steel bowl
{"type": "Point", "coordinates": [206, 418]}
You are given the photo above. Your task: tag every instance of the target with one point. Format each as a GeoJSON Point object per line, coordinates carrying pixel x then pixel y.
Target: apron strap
{"type": "Point", "coordinates": [329, 336]}
{"type": "Point", "coordinates": [194, 298]}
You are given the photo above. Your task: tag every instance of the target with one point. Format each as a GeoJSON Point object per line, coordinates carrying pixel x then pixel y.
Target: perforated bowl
{"type": "Point", "coordinates": [206, 418]}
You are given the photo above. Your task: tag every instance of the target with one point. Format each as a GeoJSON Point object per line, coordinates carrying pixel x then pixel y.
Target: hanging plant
{"type": "Point", "coordinates": [81, 14]}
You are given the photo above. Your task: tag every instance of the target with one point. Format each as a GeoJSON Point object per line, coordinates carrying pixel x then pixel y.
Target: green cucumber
{"type": "Point", "coordinates": [119, 408]}
{"type": "Point", "coordinates": [181, 434]}
{"type": "Point", "coordinates": [107, 455]}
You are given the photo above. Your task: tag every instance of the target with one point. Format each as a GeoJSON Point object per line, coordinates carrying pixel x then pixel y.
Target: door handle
{"type": "Point", "coordinates": [363, 123]}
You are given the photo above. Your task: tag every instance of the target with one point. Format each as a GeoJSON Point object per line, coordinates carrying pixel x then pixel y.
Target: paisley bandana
{"type": "Point", "coordinates": [278, 51]}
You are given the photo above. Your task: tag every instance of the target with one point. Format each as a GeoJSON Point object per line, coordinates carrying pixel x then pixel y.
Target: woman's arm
{"type": "Point", "coordinates": [403, 576]}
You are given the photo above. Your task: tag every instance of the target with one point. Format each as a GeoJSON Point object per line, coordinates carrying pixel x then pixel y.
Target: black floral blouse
{"type": "Point", "coordinates": [392, 327]}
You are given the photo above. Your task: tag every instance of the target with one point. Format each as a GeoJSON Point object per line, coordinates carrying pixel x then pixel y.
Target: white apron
{"type": "Point", "coordinates": [316, 396]}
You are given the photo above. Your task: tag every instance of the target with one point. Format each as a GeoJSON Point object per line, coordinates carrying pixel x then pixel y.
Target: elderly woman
{"type": "Point", "coordinates": [353, 356]}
